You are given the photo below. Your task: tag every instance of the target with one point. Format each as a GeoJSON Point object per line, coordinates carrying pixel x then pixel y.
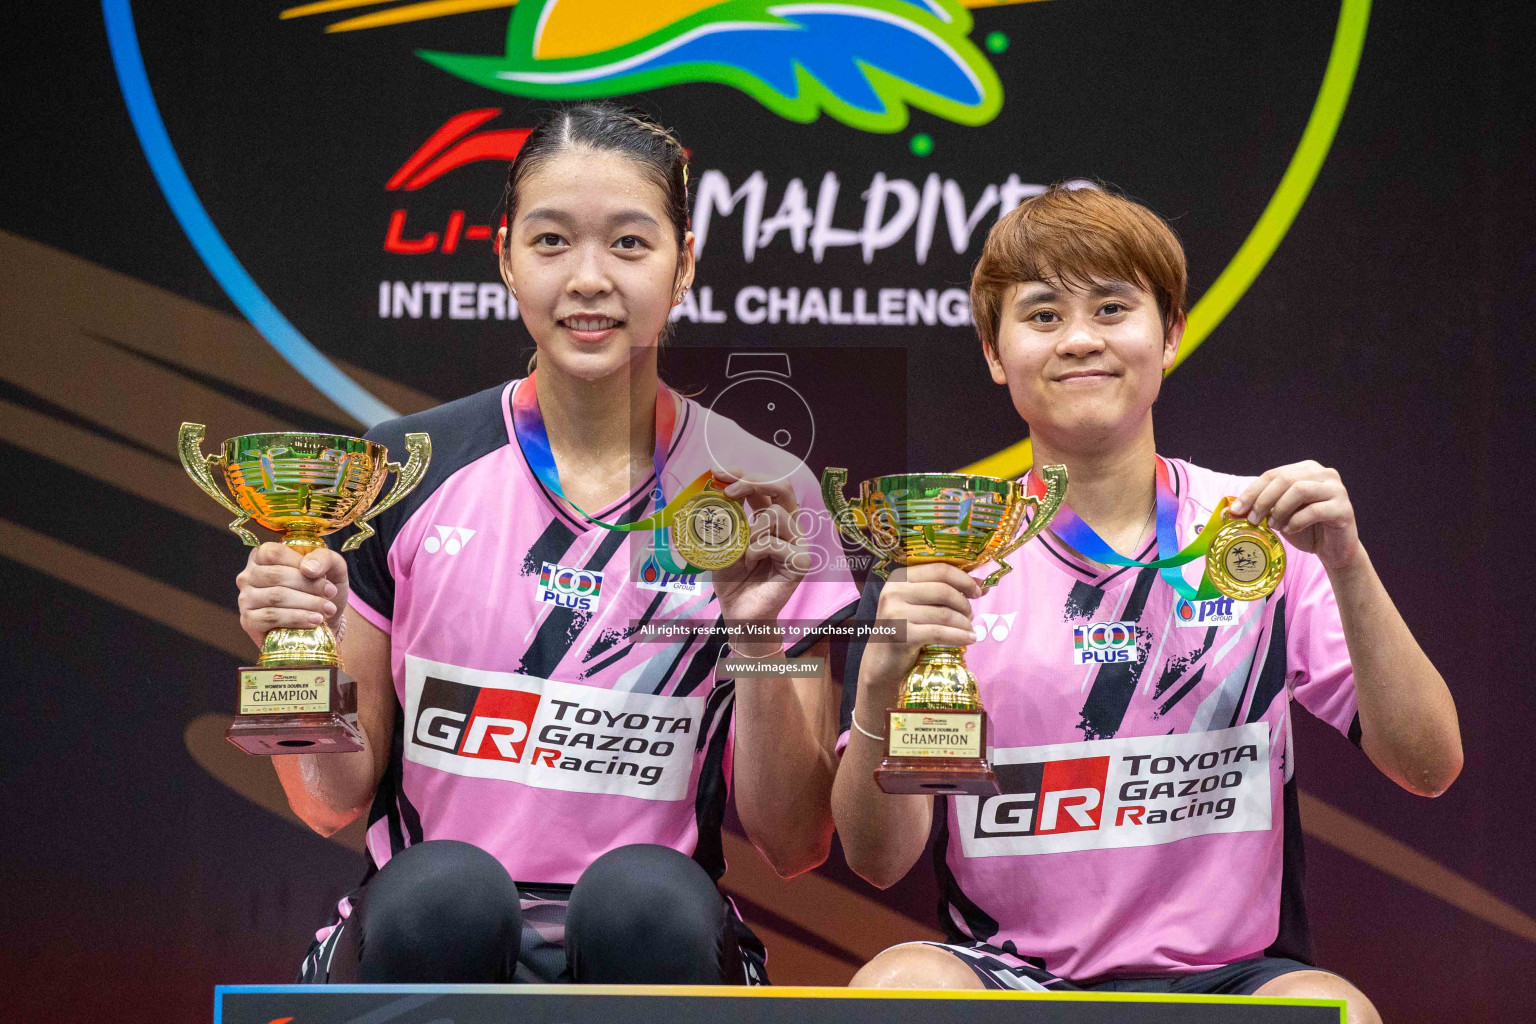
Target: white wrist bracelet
{"type": "Point", "coordinates": [865, 731]}
{"type": "Point", "coordinates": [340, 629]}
{"type": "Point", "coordinates": [757, 657]}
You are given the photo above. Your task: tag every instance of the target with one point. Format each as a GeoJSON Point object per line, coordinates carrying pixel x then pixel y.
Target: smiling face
{"type": "Point", "coordinates": [594, 260]}
{"type": "Point", "coordinates": [1082, 362]}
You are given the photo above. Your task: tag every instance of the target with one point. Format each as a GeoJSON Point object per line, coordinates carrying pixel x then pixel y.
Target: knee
{"type": "Point", "coordinates": [647, 913]}
{"type": "Point", "coordinates": [915, 965]}
{"type": "Point", "coordinates": [644, 892]}
{"type": "Point", "coordinates": [1322, 985]}
{"type": "Point", "coordinates": [437, 905]}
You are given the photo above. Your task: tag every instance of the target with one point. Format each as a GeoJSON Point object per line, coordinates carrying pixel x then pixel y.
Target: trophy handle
{"type": "Point", "coordinates": [849, 519]}
{"type": "Point", "coordinates": [420, 448]}
{"type": "Point", "coordinates": [1055, 478]}
{"type": "Point", "coordinates": [189, 445]}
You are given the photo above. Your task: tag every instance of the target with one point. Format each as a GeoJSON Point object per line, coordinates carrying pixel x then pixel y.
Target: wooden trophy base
{"type": "Point", "coordinates": [936, 752]}
{"type": "Point", "coordinates": [935, 777]}
{"type": "Point", "coordinates": [296, 711]}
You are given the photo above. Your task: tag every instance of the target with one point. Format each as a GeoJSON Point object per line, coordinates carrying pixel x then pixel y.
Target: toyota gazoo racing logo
{"type": "Point", "coordinates": [1218, 611]}
{"type": "Point", "coordinates": [1140, 791]}
{"type": "Point", "coordinates": [570, 587]}
{"type": "Point", "coordinates": [1105, 643]}
{"type": "Point", "coordinates": [549, 734]}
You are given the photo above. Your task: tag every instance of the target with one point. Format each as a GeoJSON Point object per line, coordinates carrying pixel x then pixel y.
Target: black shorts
{"type": "Point", "coordinates": [997, 969]}
{"type": "Point", "coordinates": [483, 927]}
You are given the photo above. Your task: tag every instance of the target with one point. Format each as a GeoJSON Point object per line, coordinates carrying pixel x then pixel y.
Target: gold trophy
{"type": "Point", "coordinates": [936, 741]}
{"type": "Point", "coordinates": [296, 699]}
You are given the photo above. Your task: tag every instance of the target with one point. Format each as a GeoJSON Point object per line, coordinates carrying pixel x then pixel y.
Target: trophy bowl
{"type": "Point", "coordinates": [301, 486]}
{"type": "Point", "coordinates": [961, 519]}
{"type": "Point", "coordinates": [936, 742]}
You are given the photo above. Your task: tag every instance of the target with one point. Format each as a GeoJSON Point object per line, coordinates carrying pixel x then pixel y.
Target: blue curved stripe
{"type": "Point", "coordinates": [241, 288]}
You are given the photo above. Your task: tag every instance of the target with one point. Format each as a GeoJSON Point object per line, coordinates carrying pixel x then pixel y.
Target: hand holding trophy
{"type": "Point", "coordinates": [296, 699]}
{"type": "Point", "coordinates": [936, 740]}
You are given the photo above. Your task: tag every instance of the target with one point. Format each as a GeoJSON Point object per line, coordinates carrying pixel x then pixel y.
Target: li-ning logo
{"type": "Point", "coordinates": [1219, 611]}
{"type": "Point", "coordinates": [995, 626]}
{"type": "Point", "coordinates": [570, 587]}
{"type": "Point", "coordinates": [450, 540]}
{"type": "Point", "coordinates": [1107, 643]}
{"type": "Point", "coordinates": [653, 577]}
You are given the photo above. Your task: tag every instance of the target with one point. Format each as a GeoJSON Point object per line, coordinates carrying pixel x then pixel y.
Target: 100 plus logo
{"type": "Point", "coordinates": [570, 587]}
{"type": "Point", "coordinates": [1105, 643]}
{"type": "Point", "coordinates": [1138, 791]}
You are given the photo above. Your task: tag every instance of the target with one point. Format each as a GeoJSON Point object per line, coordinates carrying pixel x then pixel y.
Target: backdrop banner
{"type": "Point", "coordinates": [265, 217]}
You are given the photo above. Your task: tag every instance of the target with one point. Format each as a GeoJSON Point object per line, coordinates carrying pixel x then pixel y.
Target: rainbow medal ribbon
{"type": "Point", "coordinates": [709, 530]}
{"type": "Point", "coordinates": [1244, 561]}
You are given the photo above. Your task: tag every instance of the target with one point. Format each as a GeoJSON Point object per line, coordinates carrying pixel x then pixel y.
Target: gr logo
{"type": "Point", "coordinates": [450, 540]}
{"type": "Point", "coordinates": [570, 587]}
{"type": "Point", "coordinates": [1107, 643]}
{"type": "Point", "coordinates": [472, 721]}
{"type": "Point", "coordinates": [1045, 798]}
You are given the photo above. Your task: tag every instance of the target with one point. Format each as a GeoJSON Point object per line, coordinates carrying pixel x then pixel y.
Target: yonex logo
{"type": "Point", "coordinates": [570, 587]}
{"type": "Point", "coordinates": [449, 540]}
{"type": "Point", "coordinates": [1106, 643]}
{"type": "Point", "coordinates": [995, 626]}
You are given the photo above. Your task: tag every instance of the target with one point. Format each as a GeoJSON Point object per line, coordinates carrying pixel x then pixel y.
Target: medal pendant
{"type": "Point", "coordinates": [710, 530]}
{"type": "Point", "coordinates": [1246, 561]}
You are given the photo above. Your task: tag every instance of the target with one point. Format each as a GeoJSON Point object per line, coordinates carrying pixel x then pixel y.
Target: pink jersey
{"type": "Point", "coordinates": [1147, 822]}
{"type": "Point", "coordinates": [531, 722]}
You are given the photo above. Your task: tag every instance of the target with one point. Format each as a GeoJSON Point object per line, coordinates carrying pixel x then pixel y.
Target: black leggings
{"type": "Point", "coordinates": [446, 911]}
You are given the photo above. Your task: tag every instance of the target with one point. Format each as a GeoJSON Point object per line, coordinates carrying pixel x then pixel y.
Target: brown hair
{"type": "Point", "coordinates": [1073, 236]}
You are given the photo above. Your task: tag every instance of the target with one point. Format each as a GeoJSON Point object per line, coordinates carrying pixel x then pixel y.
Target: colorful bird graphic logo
{"type": "Point", "coordinates": [864, 62]}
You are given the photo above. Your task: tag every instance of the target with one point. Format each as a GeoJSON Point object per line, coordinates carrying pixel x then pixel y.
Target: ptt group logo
{"type": "Point", "coordinates": [863, 62]}
{"type": "Point", "coordinates": [651, 576]}
{"type": "Point", "coordinates": [570, 587]}
{"type": "Point", "coordinates": [1218, 611]}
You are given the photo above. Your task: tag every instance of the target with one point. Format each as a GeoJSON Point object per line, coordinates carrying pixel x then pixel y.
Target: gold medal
{"type": "Point", "coordinates": [1246, 560]}
{"type": "Point", "coordinates": [710, 530]}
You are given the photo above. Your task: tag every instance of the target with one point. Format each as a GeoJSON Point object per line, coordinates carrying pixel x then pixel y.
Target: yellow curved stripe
{"type": "Point", "coordinates": [443, 8]}
{"type": "Point", "coordinates": [577, 28]}
{"type": "Point", "coordinates": [417, 12]}
{"type": "Point", "coordinates": [326, 7]}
